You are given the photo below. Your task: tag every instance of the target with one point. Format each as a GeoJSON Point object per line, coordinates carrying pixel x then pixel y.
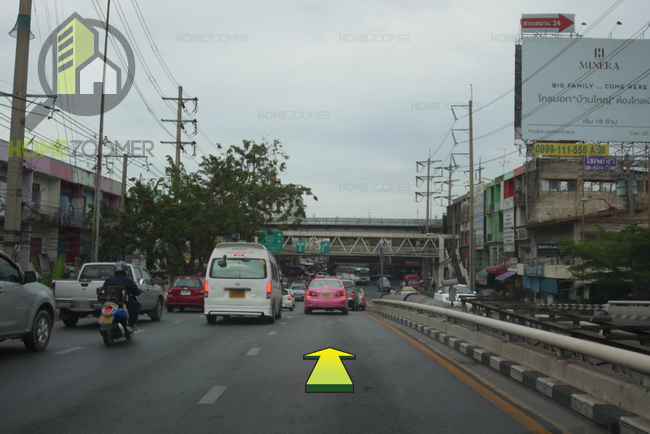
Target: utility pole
{"type": "Point", "coordinates": [647, 188]}
{"type": "Point", "coordinates": [472, 233]}
{"type": "Point", "coordinates": [628, 187]}
{"type": "Point", "coordinates": [100, 144]}
{"type": "Point", "coordinates": [123, 192]}
{"type": "Point", "coordinates": [179, 121]}
{"type": "Point", "coordinates": [13, 210]}
{"type": "Point", "coordinates": [419, 165]}
{"type": "Point", "coordinates": [381, 268]}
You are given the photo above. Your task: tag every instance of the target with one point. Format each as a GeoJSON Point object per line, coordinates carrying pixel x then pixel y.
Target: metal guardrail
{"type": "Point", "coordinates": [553, 319]}
{"type": "Point", "coordinates": [624, 358]}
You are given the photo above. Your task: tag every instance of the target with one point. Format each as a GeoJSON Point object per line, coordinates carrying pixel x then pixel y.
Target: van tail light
{"type": "Point", "coordinates": [206, 288]}
{"type": "Point", "coordinates": [290, 297]}
{"type": "Point", "coordinates": [269, 289]}
{"type": "Point", "coordinates": [53, 286]}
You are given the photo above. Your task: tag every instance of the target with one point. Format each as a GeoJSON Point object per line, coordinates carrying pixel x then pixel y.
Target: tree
{"type": "Point", "coordinates": [613, 259]}
{"type": "Point", "coordinates": [178, 219]}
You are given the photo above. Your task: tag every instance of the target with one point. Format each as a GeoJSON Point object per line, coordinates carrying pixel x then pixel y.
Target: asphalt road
{"type": "Point", "coordinates": [184, 375]}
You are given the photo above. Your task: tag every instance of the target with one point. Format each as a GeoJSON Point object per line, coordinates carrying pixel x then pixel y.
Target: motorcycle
{"type": "Point", "coordinates": [114, 316]}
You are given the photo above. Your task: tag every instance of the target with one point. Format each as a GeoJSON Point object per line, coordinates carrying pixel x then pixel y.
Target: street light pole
{"type": "Point", "coordinates": [100, 143]}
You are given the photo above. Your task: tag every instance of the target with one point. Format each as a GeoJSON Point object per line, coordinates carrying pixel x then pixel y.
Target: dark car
{"type": "Point", "coordinates": [186, 291]}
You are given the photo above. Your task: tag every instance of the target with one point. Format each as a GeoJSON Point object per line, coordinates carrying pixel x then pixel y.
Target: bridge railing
{"type": "Point", "coordinates": [359, 221]}
{"type": "Point", "coordinates": [562, 344]}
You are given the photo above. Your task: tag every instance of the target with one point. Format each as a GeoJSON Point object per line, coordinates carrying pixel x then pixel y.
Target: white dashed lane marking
{"type": "Point", "coordinates": [253, 351]}
{"type": "Point", "coordinates": [271, 333]}
{"type": "Point", "coordinates": [69, 350]}
{"type": "Point", "coordinates": [212, 395]}
{"type": "Point", "coordinates": [284, 322]}
{"type": "Point", "coordinates": [178, 322]}
{"type": "Point", "coordinates": [138, 331]}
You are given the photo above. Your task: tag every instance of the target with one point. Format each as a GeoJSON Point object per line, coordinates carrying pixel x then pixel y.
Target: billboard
{"type": "Point", "coordinates": [552, 149]}
{"type": "Point", "coordinates": [600, 164]}
{"type": "Point", "coordinates": [585, 89]}
{"type": "Point", "coordinates": [548, 23]}
{"type": "Point", "coordinates": [509, 231]}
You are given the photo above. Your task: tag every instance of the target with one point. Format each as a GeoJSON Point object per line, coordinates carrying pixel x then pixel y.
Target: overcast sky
{"type": "Point", "coordinates": [356, 91]}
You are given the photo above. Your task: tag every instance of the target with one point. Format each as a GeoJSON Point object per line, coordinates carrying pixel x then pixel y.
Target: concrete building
{"type": "Point", "coordinates": [56, 197]}
{"type": "Point", "coordinates": [529, 209]}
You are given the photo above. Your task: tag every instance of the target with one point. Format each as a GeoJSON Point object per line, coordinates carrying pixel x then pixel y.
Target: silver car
{"type": "Point", "coordinates": [299, 290]}
{"type": "Point", "coordinates": [26, 306]}
{"type": "Point", "coordinates": [443, 294]}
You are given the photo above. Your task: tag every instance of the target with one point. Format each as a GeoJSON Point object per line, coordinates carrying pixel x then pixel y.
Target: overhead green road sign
{"type": "Point", "coordinates": [272, 242]}
{"type": "Point", "coordinates": [300, 246]}
{"type": "Point", "coordinates": [325, 247]}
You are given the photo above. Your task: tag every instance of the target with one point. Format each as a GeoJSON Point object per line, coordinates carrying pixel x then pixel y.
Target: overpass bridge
{"type": "Point", "coordinates": [343, 243]}
{"type": "Point", "coordinates": [353, 224]}
{"type": "Point", "coordinates": [367, 238]}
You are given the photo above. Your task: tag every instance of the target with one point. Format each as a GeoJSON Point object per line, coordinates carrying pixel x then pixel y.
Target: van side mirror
{"type": "Point", "coordinates": [222, 262]}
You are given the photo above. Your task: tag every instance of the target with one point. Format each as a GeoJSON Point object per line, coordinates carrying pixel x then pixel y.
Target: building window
{"type": "Point", "coordinates": [607, 186]}
{"type": "Point", "coordinates": [599, 186]}
{"type": "Point", "coordinates": [36, 193]}
{"type": "Point", "coordinates": [558, 185]}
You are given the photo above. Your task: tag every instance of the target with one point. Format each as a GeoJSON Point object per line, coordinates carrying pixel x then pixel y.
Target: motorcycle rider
{"type": "Point", "coordinates": [122, 279]}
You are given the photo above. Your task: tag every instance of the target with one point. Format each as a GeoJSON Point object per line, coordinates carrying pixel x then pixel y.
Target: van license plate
{"type": "Point", "coordinates": [186, 292]}
{"type": "Point", "coordinates": [237, 294]}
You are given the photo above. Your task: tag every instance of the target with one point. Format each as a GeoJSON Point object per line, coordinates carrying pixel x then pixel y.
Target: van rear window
{"type": "Point", "coordinates": [239, 268]}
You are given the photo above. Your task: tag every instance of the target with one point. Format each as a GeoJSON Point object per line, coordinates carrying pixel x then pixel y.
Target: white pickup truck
{"type": "Point", "coordinates": [76, 299]}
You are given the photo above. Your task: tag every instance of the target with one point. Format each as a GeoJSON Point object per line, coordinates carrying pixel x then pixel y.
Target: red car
{"type": "Point", "coordinates": [326, 293]}
{"type": "Point", "coordinates": [413, 281]}
{"type": "Point", "coordinates": [186, 291]}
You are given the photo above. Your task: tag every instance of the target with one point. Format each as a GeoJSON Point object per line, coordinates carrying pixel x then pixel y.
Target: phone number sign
{"type": "Point", "coordinates": [553, 149]}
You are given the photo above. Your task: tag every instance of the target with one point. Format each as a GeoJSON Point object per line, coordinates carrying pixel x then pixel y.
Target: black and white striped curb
{"type": "Point", "coordinates": [614, 418]}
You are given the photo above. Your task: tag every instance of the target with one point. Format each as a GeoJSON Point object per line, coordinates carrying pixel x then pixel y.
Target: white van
{"type": "Point", "coordinates": [242, 279]}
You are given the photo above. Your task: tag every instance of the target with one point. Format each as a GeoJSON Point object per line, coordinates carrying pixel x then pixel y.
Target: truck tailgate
{"type": "Point", "coordinates": [76, 295]}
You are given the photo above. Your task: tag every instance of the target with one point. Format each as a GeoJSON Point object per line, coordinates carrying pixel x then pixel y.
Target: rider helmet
{"type": "Point", "coordinates": [121, 268]}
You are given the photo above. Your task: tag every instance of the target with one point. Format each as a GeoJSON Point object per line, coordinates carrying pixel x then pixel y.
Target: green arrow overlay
{"type": "Point", "coordinates": [329, 374]}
